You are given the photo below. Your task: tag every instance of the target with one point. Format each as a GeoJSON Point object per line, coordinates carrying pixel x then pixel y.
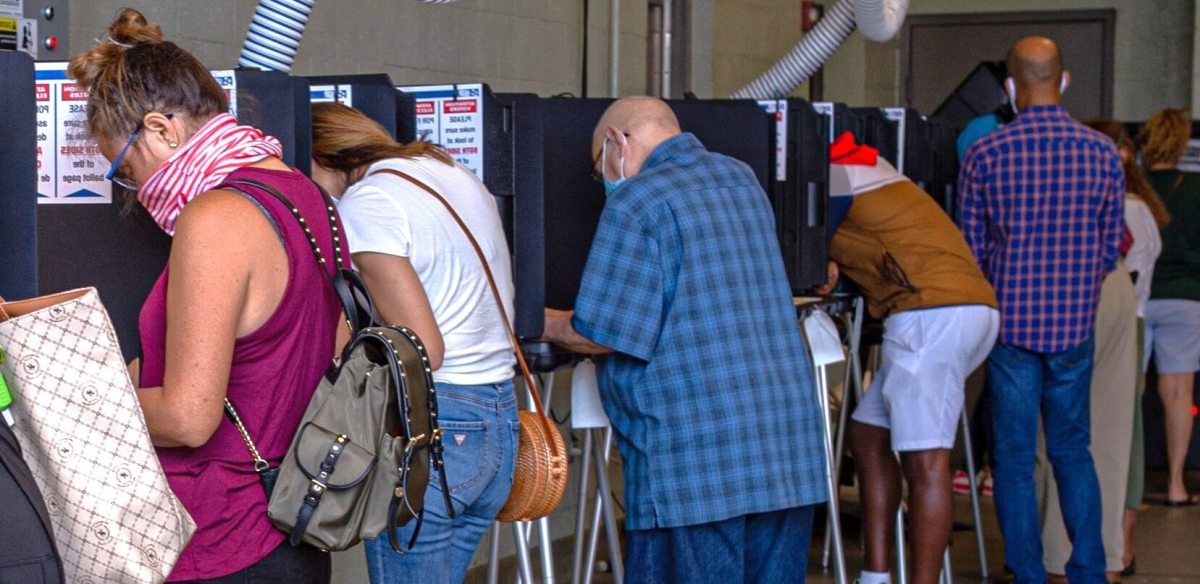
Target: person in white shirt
{"type": "Point", "coordinates": [422, 272]}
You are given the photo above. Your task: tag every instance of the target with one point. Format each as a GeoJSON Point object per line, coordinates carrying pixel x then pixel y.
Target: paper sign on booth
{"type": "Point", "coordinates": [452, 116]}
{"type": "Point", "coordinates": [343, 94]}
{"type": "Point", "coordinates": [70, 167]}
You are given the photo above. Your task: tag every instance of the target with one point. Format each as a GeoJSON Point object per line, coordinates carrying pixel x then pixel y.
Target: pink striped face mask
{"type": "Point", "coordinates": [218, 148]}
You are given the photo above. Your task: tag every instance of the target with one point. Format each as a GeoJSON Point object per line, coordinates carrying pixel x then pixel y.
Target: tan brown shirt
{"type": "Point", "coordinates": [905, 253]}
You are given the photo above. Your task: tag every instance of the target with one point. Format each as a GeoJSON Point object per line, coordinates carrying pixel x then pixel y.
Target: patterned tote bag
{"type": "Point", "coordinates": [77, 415]}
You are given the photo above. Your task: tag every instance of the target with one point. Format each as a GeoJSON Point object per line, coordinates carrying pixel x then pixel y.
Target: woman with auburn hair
{"type": "Point", "coordinates": [241, 311]}
{"type": "Point", "coordinates": [422, 271]}
{"type": "Point", "coordinates": [1173, 312]}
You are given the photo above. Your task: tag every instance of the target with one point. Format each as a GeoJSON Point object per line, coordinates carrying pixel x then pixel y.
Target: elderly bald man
{"type": "Point", "coordinates": [1042, 203]}
{"type": "Point", "coordinates": [704, 374]}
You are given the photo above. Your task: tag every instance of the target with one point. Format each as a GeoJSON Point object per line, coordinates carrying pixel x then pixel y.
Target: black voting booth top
{"type": "Point", "coordinates": [558, 203]}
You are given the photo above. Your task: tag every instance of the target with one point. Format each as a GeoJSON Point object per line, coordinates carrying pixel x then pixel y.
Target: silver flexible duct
{"type": "Point", "coordinates": [275, 32]}
{"type": "Point", "coordinates": [879, 21]}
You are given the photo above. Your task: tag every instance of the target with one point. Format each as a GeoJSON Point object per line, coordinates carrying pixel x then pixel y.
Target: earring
{"type": "Point", "coordinates": [173, 145]}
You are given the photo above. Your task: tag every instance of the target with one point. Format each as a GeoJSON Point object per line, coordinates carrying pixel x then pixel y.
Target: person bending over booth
{"type": "Point", "coordinates": [940, 321]}
{"type": "Point", "coordinates": [704, 374]}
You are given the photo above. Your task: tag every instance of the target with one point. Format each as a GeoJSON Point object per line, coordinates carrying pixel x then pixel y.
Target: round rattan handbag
{"type": "Point", "coordinates": [541, 474]}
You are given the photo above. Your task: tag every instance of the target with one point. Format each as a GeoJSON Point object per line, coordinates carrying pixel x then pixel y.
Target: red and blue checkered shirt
{"type": "Point", "coordinates": [1042, 203]}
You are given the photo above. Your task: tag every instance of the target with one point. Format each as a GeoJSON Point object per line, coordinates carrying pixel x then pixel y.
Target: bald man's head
{"type": "Point", "coordinates": [1035, 61]}
{"type": "Point", "coordinates": [631, 114]}
{"type": "Point", "coordinates": [633, 128]}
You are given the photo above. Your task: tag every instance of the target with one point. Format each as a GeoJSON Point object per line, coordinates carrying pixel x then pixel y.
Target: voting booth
{"type": "Point", "coordinates": [89, 231]}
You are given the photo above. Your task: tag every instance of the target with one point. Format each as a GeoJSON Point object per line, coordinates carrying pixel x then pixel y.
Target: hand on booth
{"type": "Point", "coordinates": [558, 330]}
{"type": "Point", "coordinates": [831, 280]}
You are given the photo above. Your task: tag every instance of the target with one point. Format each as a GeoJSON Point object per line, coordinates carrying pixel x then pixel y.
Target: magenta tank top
{"type": "Point", "coordinates": [275, 371]}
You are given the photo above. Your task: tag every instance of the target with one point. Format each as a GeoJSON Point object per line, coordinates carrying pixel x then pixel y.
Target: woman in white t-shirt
{"type": "Point", "coordinates": [422, 272]}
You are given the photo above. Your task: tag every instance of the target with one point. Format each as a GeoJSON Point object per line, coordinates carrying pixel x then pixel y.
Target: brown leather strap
{"type": "Point", "coordinates": [537, 398]}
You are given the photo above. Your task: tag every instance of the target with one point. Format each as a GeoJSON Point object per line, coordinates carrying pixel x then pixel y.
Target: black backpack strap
{"type": "Point", "coordinates": [351, 293]}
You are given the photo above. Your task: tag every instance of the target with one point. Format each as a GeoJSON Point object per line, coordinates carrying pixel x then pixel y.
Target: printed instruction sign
{"type": "Point", "coordinates": [778, 107]}
{"type": "Point", "coordinates": [825, 108]}
{"type": "Point", "coordinates": [70, 167]}
{"type": "Point", "coordinates": [228, 82]}
{"type": "Point", "coordinates": [452, 116]}
{"type": "Point", "coordinates": [898, 115]}
{"type": "Point", "coordinates": [343, 94]}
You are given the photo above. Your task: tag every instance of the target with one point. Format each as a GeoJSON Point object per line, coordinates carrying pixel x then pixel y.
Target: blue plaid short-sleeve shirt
{"type": "Point", "coordinates": [1042, 202]}
{"type": "Point", "coordinates": [710, 391]}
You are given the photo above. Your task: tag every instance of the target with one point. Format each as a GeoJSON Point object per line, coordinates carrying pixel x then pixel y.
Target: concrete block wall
{"type": "Point", "coordinates": [514, 45]}
{"type": "Point", "coordinates": [1154, 45]}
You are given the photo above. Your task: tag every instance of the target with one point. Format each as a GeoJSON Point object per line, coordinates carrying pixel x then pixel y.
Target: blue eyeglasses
{"type": "Point", "coordinates": [124, 181]}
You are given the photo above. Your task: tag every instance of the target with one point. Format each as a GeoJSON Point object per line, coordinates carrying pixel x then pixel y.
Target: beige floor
{"type": "Point", "coordinates": [1167, 544]}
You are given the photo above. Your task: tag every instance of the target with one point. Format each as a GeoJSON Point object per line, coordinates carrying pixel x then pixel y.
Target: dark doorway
{"type": "Point", "coordinates": [938, 51]}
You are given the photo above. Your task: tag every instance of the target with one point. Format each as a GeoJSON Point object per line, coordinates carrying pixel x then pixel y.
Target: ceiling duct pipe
{"type": "Point", "coordinates": [274, 36]}
{"type": "Point", "coordinates": [879, 21]}
{"type": "Point", "coordinates": [275, 32]}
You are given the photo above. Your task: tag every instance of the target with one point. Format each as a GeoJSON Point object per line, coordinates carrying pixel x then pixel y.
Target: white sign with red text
{"type": "Point", "coordinates": [228, 82]}
{"type": "Point", "coordinates": [70, 167]}
{"type": "Point", "coordinates": [778, 107]}
{"type": "Point", "coordinates": [343, 94]}
{"type": "Point", "coordinates": [452, 116]}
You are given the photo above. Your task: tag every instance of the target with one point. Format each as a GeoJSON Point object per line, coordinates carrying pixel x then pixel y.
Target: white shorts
{"type": "Point", "coordinates": [927, 355]}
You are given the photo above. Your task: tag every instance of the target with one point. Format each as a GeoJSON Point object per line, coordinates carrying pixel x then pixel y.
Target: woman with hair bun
{"type": "Point", "coordinates": [1173, 312]}
{"type": "Point", "coordinates": [241, 311]}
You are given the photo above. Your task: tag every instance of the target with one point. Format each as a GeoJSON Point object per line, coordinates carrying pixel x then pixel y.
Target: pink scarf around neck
{"type": "Point", "coordinates": [218, 148]}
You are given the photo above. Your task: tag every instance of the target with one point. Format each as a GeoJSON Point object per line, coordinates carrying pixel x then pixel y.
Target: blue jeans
{"type": "Point", "coordinates": [1058, 386]}
{"type": "Point", "coordinates": [481, 435]}
{"type": "Point", "coordinates": [763, 547]}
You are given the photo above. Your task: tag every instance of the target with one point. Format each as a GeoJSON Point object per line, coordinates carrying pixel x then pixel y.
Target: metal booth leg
{"type": "Point", "coordinates": [966, 429]}
{"type": "Point", "coordinates": [581, 507]}
{"type": "Point", "coordinates": [493, 574]}
{"type": "Point", "coordinates": [604, 503]}
{"type": "Point", "coordinates": [901, 552]}
{"type": "Point", "coordinates": [543, 524]}
{"type": "Point", "coordinates": [947, 576]}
